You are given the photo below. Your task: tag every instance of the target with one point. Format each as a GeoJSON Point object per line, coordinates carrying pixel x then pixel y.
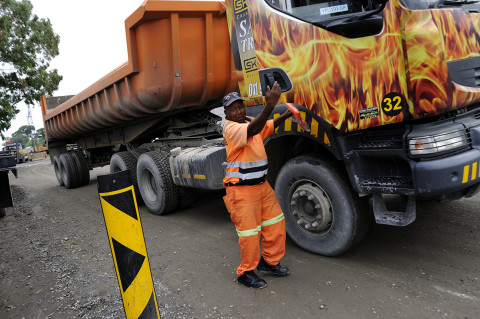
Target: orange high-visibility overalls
{"type": "Point", "coordinates": [250, 200]}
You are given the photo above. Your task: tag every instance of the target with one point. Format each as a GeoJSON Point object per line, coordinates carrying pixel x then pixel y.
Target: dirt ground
{"type": "Point", "coordinates": [56, 262]}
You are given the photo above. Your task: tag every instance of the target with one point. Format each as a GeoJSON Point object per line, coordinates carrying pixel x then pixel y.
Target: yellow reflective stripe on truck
{"type": "Point", "coordinates": [197, 176]}
{"type": "Point", "coordinates": [470, 175]}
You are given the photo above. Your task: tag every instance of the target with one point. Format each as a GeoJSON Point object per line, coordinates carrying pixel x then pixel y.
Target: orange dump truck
{"type": "Point", "coordinates": [389, 89]}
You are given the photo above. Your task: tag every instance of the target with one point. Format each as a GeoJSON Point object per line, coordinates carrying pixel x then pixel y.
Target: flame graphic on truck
{"type": "Point", "coordinates": [337, 77]}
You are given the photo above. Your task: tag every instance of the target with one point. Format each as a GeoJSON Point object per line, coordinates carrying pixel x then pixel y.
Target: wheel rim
{"type": "Point", "coordinates": [117, 169]}
{"type": "Point", "coordinates": [311, 208]}
{"type": "Point", "coordinates": [150, 188]}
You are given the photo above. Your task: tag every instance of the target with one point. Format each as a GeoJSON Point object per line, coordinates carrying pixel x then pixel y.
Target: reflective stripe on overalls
{"type": "Point", "coordinates": [246, 171]}
{"type": "Point", "coordinates": [257, 215]}
{"type": "Point", "coordinates": [251, 232]}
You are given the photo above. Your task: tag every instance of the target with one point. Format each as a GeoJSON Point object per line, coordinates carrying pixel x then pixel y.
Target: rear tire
{"type": "Point", "coordinates": [82, 166]}
{"type": "Point", "coordinates": [123, 161]}
{"type": "Point", "coordinates": [69, 171]}
{"type": "Point", "coordinates": [58, 169]}
{"type": "Point", "coordinates": [155, 182]}
{"type": "Point", "coordinates": [323, 214]}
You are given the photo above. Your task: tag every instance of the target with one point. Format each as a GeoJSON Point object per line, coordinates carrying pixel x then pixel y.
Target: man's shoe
{"type": "Point", "coordinates": [251, 280]}
{"type": "Point", "coordinates": [277, 269]}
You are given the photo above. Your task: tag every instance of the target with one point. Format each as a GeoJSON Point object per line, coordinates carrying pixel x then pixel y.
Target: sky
{"type": "Point", "coordinates": [92, 43]}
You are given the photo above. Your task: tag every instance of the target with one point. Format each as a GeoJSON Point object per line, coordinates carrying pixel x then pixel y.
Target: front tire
{"type": "Point", "coordinates": [155, 183]}
{"type": "Point", "coordinates": [323, 214]}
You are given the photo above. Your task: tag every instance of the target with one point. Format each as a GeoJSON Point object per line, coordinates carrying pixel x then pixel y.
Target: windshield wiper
{"type": "Point", "coordinates": [440, 3]}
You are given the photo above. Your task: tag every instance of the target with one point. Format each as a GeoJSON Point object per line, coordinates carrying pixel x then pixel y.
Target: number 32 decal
{"type": "Point", "coordinates": [393, 104]}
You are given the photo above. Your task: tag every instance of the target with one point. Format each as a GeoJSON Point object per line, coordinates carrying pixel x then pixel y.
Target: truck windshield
{"type": "Point", "coordinates": [430, 4]}
{"type": "Point", "coordinates": [319, 11]}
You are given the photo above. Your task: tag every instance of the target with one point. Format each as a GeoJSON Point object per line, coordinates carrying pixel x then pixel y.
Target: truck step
{"type": "Point", "coordinates": [393, 218]}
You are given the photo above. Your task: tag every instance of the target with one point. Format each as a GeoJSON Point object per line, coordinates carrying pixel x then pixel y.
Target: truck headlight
{"type": "Point", "coordinates": [439, 143]}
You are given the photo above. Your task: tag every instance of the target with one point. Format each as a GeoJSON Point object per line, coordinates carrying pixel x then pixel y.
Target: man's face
{"type": "Point", "coordinates": [236, 112]}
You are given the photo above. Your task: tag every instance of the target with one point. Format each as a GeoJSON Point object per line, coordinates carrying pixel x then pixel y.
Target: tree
{"type": "Point", "coordinates": [37, 137]}
{"type": "Point", "coordinates": [27, 45]}
{"type": "Point", "coordinates": [28, 130]}
{"type": "Point", "coordinates": [19, 138]}
{"type": "Point", "coordinates": [40, 134]}
{"type": "Point", "coordinates": [34, 142]}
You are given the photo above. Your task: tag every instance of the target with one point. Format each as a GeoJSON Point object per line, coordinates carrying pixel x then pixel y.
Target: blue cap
{"type": "Point", "coordinates": [230, 98]}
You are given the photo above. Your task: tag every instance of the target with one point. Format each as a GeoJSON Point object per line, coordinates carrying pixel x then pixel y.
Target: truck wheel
{"type": "Point", "coordinates": [155, 182]}
{"type": "Point", "coordinates": [139, 151]}
{"type": "Point", "coordinates": [323, 214]}
{"type": "Point", "coordinates": [123, 161]}
{"type": "Point", "coordinates": [3, 211]}
{"type": "Point", "coordinates": [58, 169]}
{"type": "Point", "coordinates": [69, 171]}
{"type": "Point", "coordinates": [82, 166]}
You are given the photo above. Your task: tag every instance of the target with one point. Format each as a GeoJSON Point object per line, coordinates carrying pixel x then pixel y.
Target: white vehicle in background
{"type": "Point", "coordinates": [28, 151]}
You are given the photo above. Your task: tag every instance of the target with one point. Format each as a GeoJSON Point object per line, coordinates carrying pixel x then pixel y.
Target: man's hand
{"type": "Point", "coordinates": [271, 98]}
{"type": "Point", "coordinates": [272, 95]}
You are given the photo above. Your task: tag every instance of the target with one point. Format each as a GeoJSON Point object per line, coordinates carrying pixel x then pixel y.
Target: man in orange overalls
{"type": "Point", "coordinates": [250, 200]}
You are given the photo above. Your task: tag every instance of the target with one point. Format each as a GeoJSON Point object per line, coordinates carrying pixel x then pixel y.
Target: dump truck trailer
{"type": "Point", "coordinates": [389, 89]}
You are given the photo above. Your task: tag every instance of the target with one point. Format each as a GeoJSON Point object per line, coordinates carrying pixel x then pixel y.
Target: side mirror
{"type": "Point", "coordinates": [270, 75]}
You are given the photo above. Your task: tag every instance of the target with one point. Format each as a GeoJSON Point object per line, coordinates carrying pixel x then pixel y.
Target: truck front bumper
{"type": "Point", "coordinates": [448, 176]}
{"type": "Point", "coordinates": [455, 175]}
{"type": "Point", "coordinates": [385, 163]}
